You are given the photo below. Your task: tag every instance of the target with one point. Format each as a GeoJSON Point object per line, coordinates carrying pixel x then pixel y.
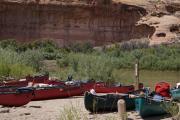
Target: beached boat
{"type": "Point", "coordinates": [28, 79]}
{"type": "Point", "coordinates": [175, 94]}
{"type": "Point", "coordinates": [87, 85]}
{"type": "Point", "coordinates": [8, 88]}
{"type": "Point", "coordinates": [106, 102]}
{"type": "Point", "coordinates": [38, 78]}
{"type": "Point", "coordinates": [102, 88]}
{"type": "Point", "coordinates": [16, 83]}
{"type": "Point", "coordinates": [148, 107]}
{"type": "Point", "coordinates": [53, 92]}
{"type": "Point", "coordinates": [19, 97]}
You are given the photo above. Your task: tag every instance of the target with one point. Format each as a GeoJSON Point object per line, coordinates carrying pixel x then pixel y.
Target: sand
{"type": "Point", "coordinates": [54, 110]}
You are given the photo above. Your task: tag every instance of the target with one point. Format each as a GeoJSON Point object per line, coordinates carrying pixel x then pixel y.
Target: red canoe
{"type": "Point", "coordinates": [45, 93]}
{"type": "Point", "coordinates": [103, 87]}
{"type": "Point", "coordinates": [116, 88]}
{"type": "Point", "coordinates": [24, 82]}
{"type": "Point", "coordinates": [87, 86]}
{"type": "Point", "coordinates": [38, 79]}
{"type": "Point", "coordinates": [16, 98]}
{"type": "Point", "coordinates": [15, 83]}
{"type": "Point", "coordinates": [113, 89]}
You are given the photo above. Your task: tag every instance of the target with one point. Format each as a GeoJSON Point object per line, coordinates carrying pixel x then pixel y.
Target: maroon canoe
{"type": "Point", "coordinates": [15, 83]}
{"type": "Point", "coordinates": [113, 89]}
{"type": "Point", "coordinates": [55, 82]}
{"type": "Point", "coordinates": [16, 98]}
{"type": "Point", "coordinates": [38, 79]}
{"type": "Point", "coordinates": [24, 82]}
{"type": "Point", "coordinates": [45, 93]}
{"type": "Point", "coordinates": [116, 88]}
{"type": "Point", "coordinates": [87, 86]}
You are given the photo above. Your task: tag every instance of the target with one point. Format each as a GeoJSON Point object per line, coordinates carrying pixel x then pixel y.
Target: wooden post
{"type": "Point", "coordinates": [137, 75]}
{"type": "Point", "coordinates": [122, 109]}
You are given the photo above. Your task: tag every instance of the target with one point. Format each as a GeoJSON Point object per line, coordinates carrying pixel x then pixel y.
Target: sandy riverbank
{"type": "Point", "coordinates": [53, 110]}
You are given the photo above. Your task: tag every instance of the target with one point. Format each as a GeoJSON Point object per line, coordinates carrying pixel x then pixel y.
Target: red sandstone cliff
{"type": "Point", "coordinates": [68, 22]}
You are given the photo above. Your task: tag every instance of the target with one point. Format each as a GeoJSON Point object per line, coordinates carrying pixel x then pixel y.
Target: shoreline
{"type": "Point", "coordinates": [55, 108]}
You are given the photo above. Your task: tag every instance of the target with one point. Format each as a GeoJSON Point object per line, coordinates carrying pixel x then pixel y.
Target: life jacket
{"type": "Point", "coordinates": [163, 89]}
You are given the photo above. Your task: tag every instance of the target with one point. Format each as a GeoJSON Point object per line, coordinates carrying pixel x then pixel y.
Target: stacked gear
{"type": "Point", "coordinates": [163, 89]}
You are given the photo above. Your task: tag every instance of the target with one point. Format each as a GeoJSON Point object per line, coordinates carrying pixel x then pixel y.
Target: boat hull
{"type": "Point", "coordinates": [53, 93]}
{"type": "Point", "coordinates": [108, 102]}
{"type": "Point", "coordinates": [148, 107]}
{"type": "Point", "coordinates": [15, 98]}
{"type": "Point", "coordinates": [175, 93]}
{"type": "Point", "coordinates": [119, 89]}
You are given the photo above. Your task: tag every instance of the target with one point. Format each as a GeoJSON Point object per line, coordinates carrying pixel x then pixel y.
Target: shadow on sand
{"type": "Point", "coordinates": [157, 117]}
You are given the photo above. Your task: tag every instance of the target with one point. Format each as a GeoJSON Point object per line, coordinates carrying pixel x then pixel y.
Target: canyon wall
{"type": "Point", "coordinates": [68, 24]}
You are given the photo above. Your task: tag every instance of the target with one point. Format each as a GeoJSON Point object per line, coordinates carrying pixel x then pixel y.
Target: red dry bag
{"type": "Point", "coordinates": [162, 89]}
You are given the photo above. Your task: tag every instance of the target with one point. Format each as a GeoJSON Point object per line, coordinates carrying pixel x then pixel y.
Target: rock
{"type": "Point", "coordinates": [23, 106]}
{"type": "Point", "coordinates": [5, 111]}
{"type": "Point", "coordinates": [175, 28]}
{"type": "Point", "coordinates": [35, 106]}
{"type": "Point", "coordinates": [73, 23]}
{"type": "Point", "coordinates": [177, 14]}
{"type": "Point", "coordinates": [159, 14]}
{"type": "Point", "coordinates": [161, 34]}
{"type": "Point", "coordinates": [173, 6]}
{"type": "Point", "coordinates": [25, 114]}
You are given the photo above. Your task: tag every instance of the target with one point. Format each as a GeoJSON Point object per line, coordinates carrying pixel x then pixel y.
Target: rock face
{"type": "Point", "coordinates": [173, 6]}
{"type": "Point", "coordinates": [70, 23]}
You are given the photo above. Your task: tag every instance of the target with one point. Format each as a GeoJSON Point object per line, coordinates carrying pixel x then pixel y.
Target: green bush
{"type": "Point", "coordinates": [4, 69]}
{"type": "Point", "coordinates": [83, 61]}
{"type": "Point", "coordinates": [19, 70]}
{"type": "Point", "coordinates": [10, 44]}
{"type": "Point", "coordinates": [80, 47]}
{"type": "Point", "coordinates": [32, 58]}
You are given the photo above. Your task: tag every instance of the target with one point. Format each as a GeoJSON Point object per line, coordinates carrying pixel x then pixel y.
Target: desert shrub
{"type": "Point", "coordinates": [80, 47]}
{"type": "Point", "coordinates": [135, 44]}
{"type": "Point", "coordinates": [12, 64]}
{"type": "Point", "coordinates": [90, 66]}
{"type": "Point", "coordinates": [63, 61]}
{"type": "Point", "coordinates": [9, 56]}
{"type": "Point", "coordinates": [10, 44]}
{"type": "Point", "coordinates": [32, 58]}
{"type": "Point", "coordinates": [19, 70]}
{"type": "Point", "coordinates": [148, 61]}
{"type": "Point", "coordinates": [4, 69]}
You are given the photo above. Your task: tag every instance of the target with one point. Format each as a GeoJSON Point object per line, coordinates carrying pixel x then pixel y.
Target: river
{"type": "Point", "coordinates": [149, 78]}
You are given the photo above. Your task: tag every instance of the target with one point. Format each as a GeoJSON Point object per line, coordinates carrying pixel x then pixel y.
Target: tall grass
{"type": "Point", "coordinates": [72, 113]}
{"type": "Point", "coordinates": [89, 66]}
{"type": "Point", "coordinates": [12, 65]}
{"type": "Point", "coordinates": [83, 61]}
